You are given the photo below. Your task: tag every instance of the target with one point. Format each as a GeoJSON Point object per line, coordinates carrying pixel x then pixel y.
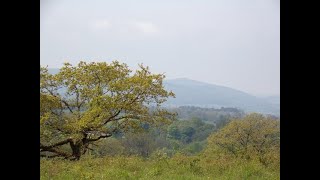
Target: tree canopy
{"type": "Point", "coordinates": [253, 137]}
{"type": "Point", "coordinates": [84, 103]}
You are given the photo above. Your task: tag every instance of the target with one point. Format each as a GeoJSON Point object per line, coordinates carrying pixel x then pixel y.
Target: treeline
{"type": "Point", "coordinates": [252, 136]}
{"type": "Point", "coordinates": [187, 135]}
{"type": "Point", "coordinates": [218, 117]}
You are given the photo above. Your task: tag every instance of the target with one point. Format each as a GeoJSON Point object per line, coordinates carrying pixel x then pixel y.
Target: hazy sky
{"type": "Point", "coordinates": [234, 43]}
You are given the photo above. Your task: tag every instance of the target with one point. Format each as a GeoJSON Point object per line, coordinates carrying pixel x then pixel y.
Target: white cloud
{"type": "Point", "coordinates": [146, 27]}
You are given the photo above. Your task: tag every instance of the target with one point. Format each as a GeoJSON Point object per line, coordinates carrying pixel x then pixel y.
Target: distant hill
{"type": "Point", "coordinates": [273, 99]}
{"type": "Point", "coordinates": [195, 93]}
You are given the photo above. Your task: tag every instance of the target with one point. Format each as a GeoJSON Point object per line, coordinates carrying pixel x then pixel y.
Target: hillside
{"type": "Point", "coordinates": [191, 92]}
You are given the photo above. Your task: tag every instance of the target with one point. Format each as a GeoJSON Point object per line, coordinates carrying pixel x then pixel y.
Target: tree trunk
{"type": "Point", "coordinates": [77, 149]}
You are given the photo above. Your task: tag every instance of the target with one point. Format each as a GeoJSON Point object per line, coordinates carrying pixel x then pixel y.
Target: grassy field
{"type": "Point", "coordinates": [157, 167]}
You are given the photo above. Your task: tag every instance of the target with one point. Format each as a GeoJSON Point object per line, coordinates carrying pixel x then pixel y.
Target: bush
{"type": "Point", "coordinates": [253, 137]}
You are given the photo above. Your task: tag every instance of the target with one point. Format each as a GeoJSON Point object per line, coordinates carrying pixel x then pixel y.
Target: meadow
{"type": "Point", "coordinates": [178, 167]}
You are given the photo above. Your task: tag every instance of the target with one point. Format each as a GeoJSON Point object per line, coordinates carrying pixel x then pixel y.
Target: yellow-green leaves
{"type": "Point", "coordinates": [253, 136]}
{"type": "Point", "coordinates": [89, 96]}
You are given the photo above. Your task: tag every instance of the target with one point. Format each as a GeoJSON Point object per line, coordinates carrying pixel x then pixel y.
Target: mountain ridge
{"type": "Point", "coordinates": [192, 92]}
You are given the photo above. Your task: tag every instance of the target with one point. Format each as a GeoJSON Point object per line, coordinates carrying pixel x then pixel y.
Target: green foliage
{"type": "Point", "coordinates": [194, 148]}
{"type": "Point", "coordinates": [215, 162]}
{"type": "Point", "coordinates": [108, 147]}
{"type": "Point", "coordinates": [173, 132]}
{"type": "Point", "coordinates": [208, 115]}
{"type": "Point", "coordinates": [178, 167]}
{"type": "Point", "coordinates": [189, 136]}
{"type": "Point", "coordinates": [85, 103]}
{"type": "Point", "coordinates": [142, 143]}
{"type": "Point", "coordinates": [92, 101]}
{"type": "Point", "coordinates": [252, 137]}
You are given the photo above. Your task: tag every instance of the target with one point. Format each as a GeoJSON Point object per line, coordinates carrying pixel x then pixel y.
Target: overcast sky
{"type": "Point", "coordinates": [234, 43]}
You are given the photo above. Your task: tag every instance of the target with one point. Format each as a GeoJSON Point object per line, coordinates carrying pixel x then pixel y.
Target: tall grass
{"type": "Point", "coordinates": [156, 167]}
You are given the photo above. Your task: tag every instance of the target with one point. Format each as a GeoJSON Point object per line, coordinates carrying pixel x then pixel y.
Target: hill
{"type": "Point", "coordinates": [196, 93]}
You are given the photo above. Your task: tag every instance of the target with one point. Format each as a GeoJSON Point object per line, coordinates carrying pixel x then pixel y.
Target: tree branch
{"type": "Point", "coordinates": [58, 153]}
{"type": "Point", "coordinates": [55, 145]}
{"type": "Point", "coordinates": [64, 102]}
{"type": "Point", "coordinates": [113, 116]}
{"type": "Point", "coordinates": [67, 105]}
{"type": "Point", "coordinates": [104, 135]}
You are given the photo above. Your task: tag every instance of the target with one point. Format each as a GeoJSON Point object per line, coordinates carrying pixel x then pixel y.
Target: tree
{"type": "Point", "coordinates": [174, 132]}
{"type": "Point", "coordinates": [142, 144]}
{"type": "Point", "coordinates": [186, 133]}
{"type": "Point", "coordinates": [84, 103]}
{"type": "Point", "coordinates": [108, 147]}
{"type": "Point", "coordinates": [254, 136]}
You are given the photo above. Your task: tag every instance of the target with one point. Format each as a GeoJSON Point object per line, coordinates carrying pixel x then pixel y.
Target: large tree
{"type": "Point", "coordinates": [84, 103]}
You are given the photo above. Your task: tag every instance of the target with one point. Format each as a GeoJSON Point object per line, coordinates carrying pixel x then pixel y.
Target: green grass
{"type": "Point", "coordinates": [175, 168]}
